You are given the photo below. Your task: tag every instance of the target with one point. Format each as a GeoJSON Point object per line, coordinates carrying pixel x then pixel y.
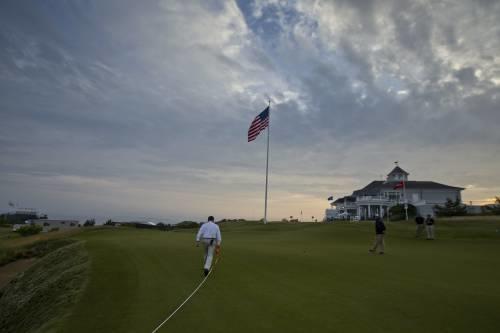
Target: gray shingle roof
{"type": "Point", "coordinates": [376, 186]}
{"type": "Point", "coordinates": [347, 199]}
{"type": "Point", "coordinates": [397, 170]}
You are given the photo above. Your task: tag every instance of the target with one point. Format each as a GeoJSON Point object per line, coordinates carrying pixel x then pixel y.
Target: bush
{"type": "Point", "coordinates": [494, 209]}
{"type": "Point", "coordinates": [397, 213]}
{"type": "Point", "coordinates": [187, 225]}
{"type": "Point", "coordinates": [28, 230]}
{"type": "Point", "coordinates": [89, 223]}
{"type": "Point", "coordinates": [164, 227]}
{"type": "Point", "coordinates": [451, 208]}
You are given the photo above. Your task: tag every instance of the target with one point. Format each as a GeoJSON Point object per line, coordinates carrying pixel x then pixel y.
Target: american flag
{"type": "Point", "coordinates": [399, 185]}
{"type": "Point", "coordinates": [258, 124]}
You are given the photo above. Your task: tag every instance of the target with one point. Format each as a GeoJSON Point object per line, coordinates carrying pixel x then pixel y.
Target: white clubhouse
{"type": "Point", "coordinates": [379, 196]}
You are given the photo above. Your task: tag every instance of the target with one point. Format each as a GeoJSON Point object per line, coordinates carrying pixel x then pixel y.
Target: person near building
{"type": "Point", "coordinates": [429, 227]}
{"type": "Point", "coordinates": [419, 220]}
{"type": "Point", "coordinates": [379, 236]}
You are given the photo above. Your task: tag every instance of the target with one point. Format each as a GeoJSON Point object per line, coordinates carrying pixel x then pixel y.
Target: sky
{"type": "Point", "coordinates": [140, 109]}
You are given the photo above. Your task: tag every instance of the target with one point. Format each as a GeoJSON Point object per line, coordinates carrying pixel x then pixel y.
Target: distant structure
{"type": "Point", "coordinates": [379, 196]}
{"type": "Point", "coordinates": [21, 215]}
{"type": "Point", "coordinates": [48, 225]}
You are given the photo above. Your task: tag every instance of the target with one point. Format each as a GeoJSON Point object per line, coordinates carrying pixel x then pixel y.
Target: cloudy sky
{"type": "Point", "coordinates": [140, 109]}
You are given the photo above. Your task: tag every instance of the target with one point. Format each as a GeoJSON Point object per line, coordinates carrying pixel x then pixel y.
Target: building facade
{"type": "Point", "coordinates": [379, 196]}
{"type": "Point", "coordinates": [48, 225]}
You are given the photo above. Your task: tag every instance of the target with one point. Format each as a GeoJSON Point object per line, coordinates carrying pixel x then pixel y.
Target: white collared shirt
{"type": "Point", "coordinates": [209, 230]}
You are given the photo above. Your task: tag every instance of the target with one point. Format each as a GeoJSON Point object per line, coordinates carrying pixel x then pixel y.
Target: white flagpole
{"type": "Point", "coordinates": [406, 200]}
{"type": "Point", "coordinates": [267, 160]}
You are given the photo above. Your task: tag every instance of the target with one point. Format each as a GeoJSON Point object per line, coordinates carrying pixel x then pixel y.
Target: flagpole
{"type": "Point", "coordinates": [267, 162]}
{"type": "Point", "coordinates": [406, 201]}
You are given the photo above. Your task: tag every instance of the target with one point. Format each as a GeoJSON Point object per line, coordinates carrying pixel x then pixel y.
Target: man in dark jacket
{"type": "Point", "coordinates": [379, 235]}
{"type": "Point", "coordinates": [419, 220]}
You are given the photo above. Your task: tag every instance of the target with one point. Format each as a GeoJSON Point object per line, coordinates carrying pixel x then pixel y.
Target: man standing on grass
{"type": "Point", "coordinates": [420, 225]}
{"type": "Point", "coordinates": [379, 235]}
{"type": "Point", "coordinates": [429, 226]}
{"type": "Point", "coordinates": [209, 235]}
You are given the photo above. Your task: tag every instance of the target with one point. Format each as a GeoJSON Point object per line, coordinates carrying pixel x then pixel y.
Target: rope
{"type": "Point", "coordinates": [187, 299]}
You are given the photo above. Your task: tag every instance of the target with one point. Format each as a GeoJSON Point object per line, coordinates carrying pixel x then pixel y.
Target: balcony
{"type": "Point", "coordinates": [375, 200]}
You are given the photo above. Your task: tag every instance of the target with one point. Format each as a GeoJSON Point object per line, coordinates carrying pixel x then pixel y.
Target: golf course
{"type": "Point", "coordinates": [279, 277]}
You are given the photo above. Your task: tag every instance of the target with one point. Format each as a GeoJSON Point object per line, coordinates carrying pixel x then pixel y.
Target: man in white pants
{"type": "Point", "coordinates": [429, 226]}
{"type": "Point", "coordinates": [209, 235]}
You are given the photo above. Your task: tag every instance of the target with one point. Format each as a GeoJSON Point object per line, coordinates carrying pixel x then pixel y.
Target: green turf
{"type": "Point", "coordinates": [295, 278]}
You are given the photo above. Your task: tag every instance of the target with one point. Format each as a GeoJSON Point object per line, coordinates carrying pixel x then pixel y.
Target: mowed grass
{"type": "Point", "coordinates": [295, 278]}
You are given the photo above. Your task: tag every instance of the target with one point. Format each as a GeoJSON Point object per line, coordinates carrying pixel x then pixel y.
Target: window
{"type": "Point", "coordinates": [393, 195]}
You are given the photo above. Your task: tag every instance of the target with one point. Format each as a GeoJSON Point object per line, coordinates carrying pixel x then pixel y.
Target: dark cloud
{"type": "Point", "coordinates": [467, 76]}
{"type": "Point", "coordinates": [413, 24]}
{"type": "Point", "coordinates": [121, 102]}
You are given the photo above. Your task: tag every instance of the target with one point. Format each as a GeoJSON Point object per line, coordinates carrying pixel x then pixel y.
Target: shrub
{"type": "Point", "coordinates": [89, 223]}
{"type": "Point", "coordinates": [31, 229]}
{"type": "Point", "coordinates": [495, 208]}
{"type": "Point", "coordinates": [451, 208]}
{"type": "Point", "coordinates": [397, 213]}
{"type": "Point", "coordinates": [164, 227]}
{"type": "Point", "coordinates": [187, 225]}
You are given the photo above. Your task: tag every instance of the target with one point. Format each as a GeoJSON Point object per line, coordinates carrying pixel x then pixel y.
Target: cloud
{"type": "Point", "coordinates": [149, 104]}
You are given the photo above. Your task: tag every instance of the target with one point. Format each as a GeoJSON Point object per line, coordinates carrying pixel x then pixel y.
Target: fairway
{"type": "Point", "coordinates": [294, 278]}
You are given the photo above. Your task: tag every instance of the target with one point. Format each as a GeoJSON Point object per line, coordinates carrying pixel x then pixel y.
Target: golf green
{"type": "Point", "coordinates": [294, 278]}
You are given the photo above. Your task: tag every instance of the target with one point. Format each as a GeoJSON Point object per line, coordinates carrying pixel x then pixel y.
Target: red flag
{"type": "Point", "coordinates": [399, 185]}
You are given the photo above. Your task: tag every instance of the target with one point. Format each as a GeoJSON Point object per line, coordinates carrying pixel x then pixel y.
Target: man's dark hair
{"type": "Point", "coordinates": [211, 218]}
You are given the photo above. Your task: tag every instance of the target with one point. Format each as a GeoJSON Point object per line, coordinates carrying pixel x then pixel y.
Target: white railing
{"type": "Point", "coordinates": [372, 198]}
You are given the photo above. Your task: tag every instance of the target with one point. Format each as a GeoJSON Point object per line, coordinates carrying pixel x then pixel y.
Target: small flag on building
{"type": "Point", "coordinates": [399, 185]}
{"type": "Point", "coordinates": [258, 124]}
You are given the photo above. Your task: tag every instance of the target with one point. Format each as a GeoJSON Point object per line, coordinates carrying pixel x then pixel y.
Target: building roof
{"type": "Point", "coordinates": [347, 198]}
{"type": "Point", "coordinates": [376, 186]}
{"type": "Point", "coordinates": [397, 170]}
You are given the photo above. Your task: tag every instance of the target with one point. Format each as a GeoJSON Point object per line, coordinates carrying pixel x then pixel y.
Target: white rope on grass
{"type": "Point", "coordinates": [187, 299]}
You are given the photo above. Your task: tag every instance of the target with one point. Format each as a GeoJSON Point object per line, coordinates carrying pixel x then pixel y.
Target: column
{"type": "Point", "coordinates": [369, 212]}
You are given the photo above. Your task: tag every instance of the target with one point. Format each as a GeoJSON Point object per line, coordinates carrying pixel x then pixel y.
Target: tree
{"type": "Point", "coordinates": [89, 223]}
{"type": "Point", "coordinates": [187, 225]}
{"type": "Point", "coordinates": [109, 222]}
{"type": "Point", "coordinates": [164, 226]}
{"type": "Point", "coordinates": [451, 208]}
{"type": "Point", "coordinates": [397, 212]}
{"type": "Point", "coordinates": [495, 208]}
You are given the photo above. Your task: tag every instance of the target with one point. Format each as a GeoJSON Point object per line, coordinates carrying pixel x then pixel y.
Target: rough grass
{"type": "Point", "coordinates": [37, 249]}
{"type": "Point", "coordinates": [40, 298]}
{"type": "Point", "coordinates": [295, 278]}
